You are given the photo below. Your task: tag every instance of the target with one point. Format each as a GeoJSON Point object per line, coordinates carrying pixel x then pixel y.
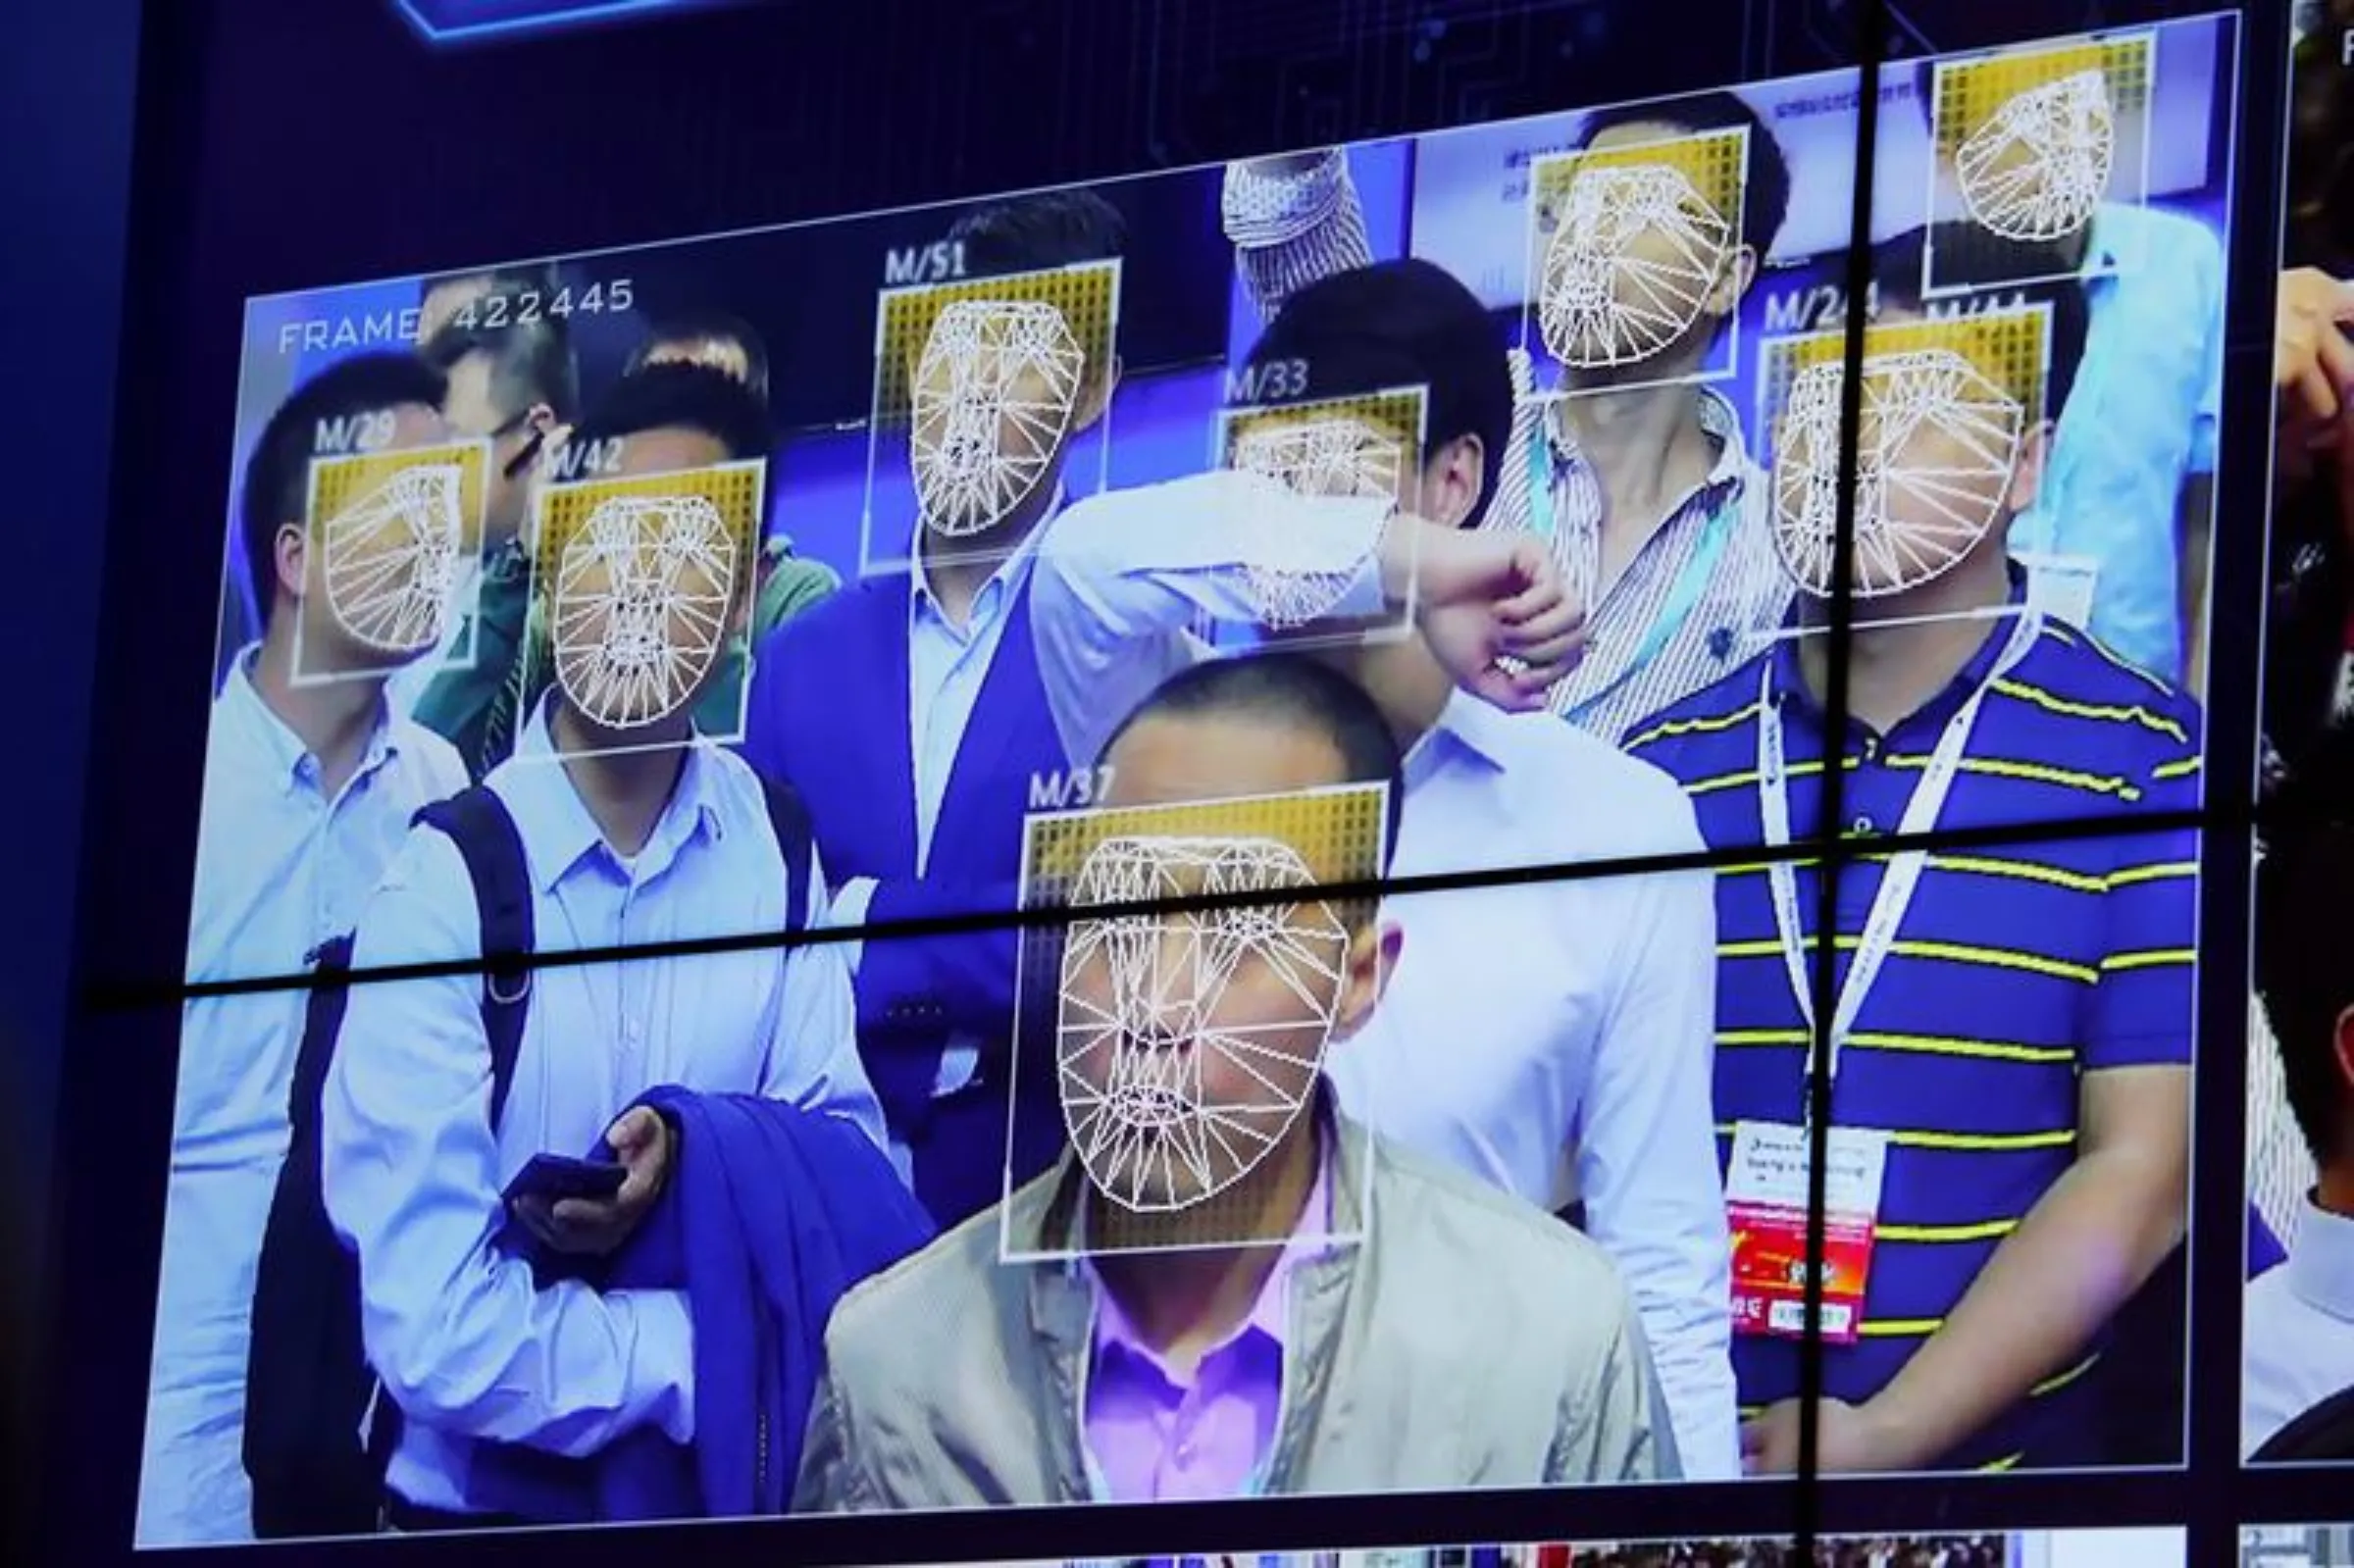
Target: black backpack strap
{"type": "Point", "coordinates": [477, 821]}
{"type": "Point", "coordinates": [797, 843]}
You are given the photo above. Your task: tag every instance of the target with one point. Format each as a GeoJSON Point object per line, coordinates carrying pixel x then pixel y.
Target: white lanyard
{"type": "Point", "coordinates": [1902, 876]}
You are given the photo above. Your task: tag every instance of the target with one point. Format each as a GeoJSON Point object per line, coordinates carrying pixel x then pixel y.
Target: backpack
{"type": "Point", "coordinates": [319, 1431]}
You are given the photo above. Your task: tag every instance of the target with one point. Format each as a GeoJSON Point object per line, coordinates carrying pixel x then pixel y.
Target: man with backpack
{"type": "Point", "coordinates": [310, 783]}
{"type": "Point", "coordinates": [499, 1352]}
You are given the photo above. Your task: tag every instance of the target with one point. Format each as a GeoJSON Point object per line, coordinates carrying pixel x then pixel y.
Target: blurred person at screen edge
{"type": "Point", "coordinates": [2298, 1339]}
{"type": "Point", "coordinates": [2307, 704]}
{"type": "Point", "coordinates": [2011, 1029]}
{"type": "Point", "coordinates": [1302, 1309]}
{"type": "Point", "coordinates": [1643, 485]}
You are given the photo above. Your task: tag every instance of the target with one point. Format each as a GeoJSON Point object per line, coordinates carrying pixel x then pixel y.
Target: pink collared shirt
{"type": "Point", "coordinates": [1156, 1436]}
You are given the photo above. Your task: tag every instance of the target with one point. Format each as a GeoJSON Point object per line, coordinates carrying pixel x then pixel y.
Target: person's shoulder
{"type": "Point", "coordinates": [431, 760]}
{"type": "Point", "coordinates": [893, 1328]}
{"type": "Point", "coordinates": [1465, 1229]}
{"type": "Point", "coordinates": [1627, 804]}
{"type": "Point", "coordinates": [2168, 239]}
{"type": "Point", "coordinates": [1668, 739]}
{"type": "Point", "coordinates": [823, 620]}
{"type": "Point", "coordinates": [2073, 673]}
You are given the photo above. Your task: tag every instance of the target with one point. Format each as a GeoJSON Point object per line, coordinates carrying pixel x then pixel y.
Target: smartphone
{"type": "Point", "coordinates": [557, 1177]}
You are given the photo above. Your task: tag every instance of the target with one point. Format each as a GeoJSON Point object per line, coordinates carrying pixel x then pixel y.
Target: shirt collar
{"type": "Point", "coordinates": [1467, 723]}
{"type": "Point", "coordinates": [555, 823]}
{"type": "Point", "coordinates": [2320, 1266]}
{"type": "Point", "coordinates": [262, 733]}
{"type": "Point", "coordinates": [1267, 1317]}
{"type": "Point", "coordinates": [1716, 419]}
{"type": "Point", "coordinates": [1001, 584]}
{"type": "Point", "coordinates": [1789, 687]}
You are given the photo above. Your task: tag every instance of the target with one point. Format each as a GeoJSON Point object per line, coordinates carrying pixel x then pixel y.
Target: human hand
{"type": "Point", "coordinates": [2313, 361]}
{"type": "Point", "coordinates": [1492, 608]}
{"type": "Point", "coordinates": [1848, 1438]}
{"type": "Point", "coordinates": [594, 1226]}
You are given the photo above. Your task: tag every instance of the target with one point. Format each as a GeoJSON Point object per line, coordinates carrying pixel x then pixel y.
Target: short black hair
{"type": "Point", "coordinates": [530, 361]}
{"type": "Point", "coordinates": [691, 325]}
{"type": "Point", "coordinates": [1967, 252]}
{"type": "Point", "coordinates": [2302, 975]}
{"type": "Point", "coordinates": [277, 474]}
{"type": "Point", "coordinates": [1292, 689]}
{"type": "Point", "coordinates": [1406, 323]}
{"type": "Point", "coordinates": [1031, 234]}
{"type": "Point", "coordinates": [680, 395]}
{"type": "Point", "coordinates": [1765, 192]}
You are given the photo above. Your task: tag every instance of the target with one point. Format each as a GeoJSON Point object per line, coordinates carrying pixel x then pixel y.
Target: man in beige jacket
{"type": "Point", "coordinates": [1226, 1288]}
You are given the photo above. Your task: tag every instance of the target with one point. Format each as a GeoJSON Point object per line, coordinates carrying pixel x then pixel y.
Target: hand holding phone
{"type": "Point", "coordinates": [555, 1178]}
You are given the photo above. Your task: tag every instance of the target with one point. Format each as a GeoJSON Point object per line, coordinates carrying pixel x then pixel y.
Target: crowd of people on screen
{"type": "Point", "coordinates": [1487, 1184]}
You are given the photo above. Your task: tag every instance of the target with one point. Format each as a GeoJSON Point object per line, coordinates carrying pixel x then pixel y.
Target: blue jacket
{"type": "Point", "coordinates": [771, 1213]}
{"type": "Point", "coordinates": [829, 715]}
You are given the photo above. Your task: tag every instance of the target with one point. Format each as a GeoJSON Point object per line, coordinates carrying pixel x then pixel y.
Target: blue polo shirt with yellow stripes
{"type": "Point", "coordinates": [2015, 971]}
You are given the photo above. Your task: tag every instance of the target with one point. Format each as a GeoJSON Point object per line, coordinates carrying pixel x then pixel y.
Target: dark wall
{"type": "Point", "coordinates": [65, 98]}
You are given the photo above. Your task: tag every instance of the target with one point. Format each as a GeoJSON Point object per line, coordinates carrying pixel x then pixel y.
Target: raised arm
{"type": "Point", "coordinates": [1292, 220]}
{"type": "Point", "coordinates": [456, 1327]}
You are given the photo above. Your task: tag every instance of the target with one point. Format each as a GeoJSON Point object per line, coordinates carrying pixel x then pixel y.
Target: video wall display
{"type": "Point", "coordinates": [2298, 1332]}
{"type": "Point", "coordinates": [1165, 842]}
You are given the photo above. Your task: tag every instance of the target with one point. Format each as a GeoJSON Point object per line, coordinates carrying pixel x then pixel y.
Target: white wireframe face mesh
{"type": "Point", "coordinates": [1634, 255]}
{"type": "Point", "coordinates": [1936, 448]}
{"type": "Point", "coordinates": [1325, 457]}
{"type": "Point", "coordinates": [640, 606]}
{"type": "Point", "coordinates": [391, 557]}
{"type": "Point", "coordinates": [1189, 1043]}
{"type": "Point", "coordinates": [2037, 167]}
{"type": "Point", "coordinates": [992, 400]}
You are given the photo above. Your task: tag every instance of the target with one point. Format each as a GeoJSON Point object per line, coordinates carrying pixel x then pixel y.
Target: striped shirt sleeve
{"type": "Point", "coordinates": [2145, 999]}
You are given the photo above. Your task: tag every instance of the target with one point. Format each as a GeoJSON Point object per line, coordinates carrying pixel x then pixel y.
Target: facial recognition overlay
{"type": "Point", "coordinates": [1946, 403]}
{"type": "Point", "coordinates": [980, 387]}
{"type": "Point", "coordinates": [1363, 448]}
{"type": "Point", "coordinates": [642, 582]}
{"type": "Point", "coordinates": [1627, 246]}
{"type": "Point", "coordinates": [2030, 143]}
{"type": "Point", "coordinates": [1189, 1041]}
{"type": "Point", "coordinates": [390, 531]}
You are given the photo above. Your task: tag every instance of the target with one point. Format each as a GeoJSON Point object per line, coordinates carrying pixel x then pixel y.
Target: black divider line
{"type": "Point", "coordinates": [118, 995]}
{"type": "Point", "coordinates": [1871, 25]}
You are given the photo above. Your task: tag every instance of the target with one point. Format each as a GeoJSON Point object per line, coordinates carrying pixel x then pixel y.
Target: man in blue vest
{"type": "Point", "coordinates": [918, 791]}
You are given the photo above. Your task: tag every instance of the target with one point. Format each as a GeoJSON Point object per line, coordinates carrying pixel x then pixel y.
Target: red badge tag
{"type": "Point", "coordinates": [1765, 1204]}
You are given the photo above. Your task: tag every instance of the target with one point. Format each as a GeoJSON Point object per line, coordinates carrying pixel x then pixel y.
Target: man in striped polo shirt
{"type": "Point", "coordinates": [2012, 1024]}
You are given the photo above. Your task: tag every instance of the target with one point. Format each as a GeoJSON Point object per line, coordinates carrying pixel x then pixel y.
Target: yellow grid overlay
{"type": "Point", "coordinates": [1087, 294]}
{"type": "Point", "coordinates": [1716, 161]}
{"type": "Point", "coordinates": [2009, 347]}
{"type": "Point", "coordinates": [1970, 92]}
{"type": "Point", "coordinates": [338, 481]}
{"type": "Point", "coordinates": [1398, 413]}
{"type": "Point", "coordinates": [1337, 832]}
{"type": "Point", "coordinates": [735, 489]}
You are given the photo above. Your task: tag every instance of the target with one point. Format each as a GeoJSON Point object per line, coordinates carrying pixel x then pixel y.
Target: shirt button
{"type": "Point", "coordinates": [1862, 827]}
{"type": "Point", "coordinates": [1185, 1455]}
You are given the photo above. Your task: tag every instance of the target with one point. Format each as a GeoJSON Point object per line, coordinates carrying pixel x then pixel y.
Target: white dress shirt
{"type": "Point", "coordinates": [2298, 1346]}
{"type": "Point", "coordinates": [280, 867]}
{"type": "Point", "coordinates": [414, 1173]}
{"type": "Point", "coordinates": [1531, 1032]}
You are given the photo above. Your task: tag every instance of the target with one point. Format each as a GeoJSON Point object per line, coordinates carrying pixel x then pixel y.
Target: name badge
{"type": "Point", "coordinates": [2061, 585]}
{"type": "Point", "coordinates": [1766, 1203]}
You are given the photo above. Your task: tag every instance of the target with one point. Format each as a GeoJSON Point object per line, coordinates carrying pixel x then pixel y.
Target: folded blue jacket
{"type": "Point", "coordinates": [769, 1215]}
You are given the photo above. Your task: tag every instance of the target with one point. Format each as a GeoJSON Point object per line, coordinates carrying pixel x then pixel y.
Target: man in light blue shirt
{"type": "Point", "coordinates": [2123, 514]}
{"type": "Point", "coordinates": [635, 834]}
{"type": "Point", "coordinates": [1551, 1037]}
{"type": "Point", "coordinates": [309, 786]}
